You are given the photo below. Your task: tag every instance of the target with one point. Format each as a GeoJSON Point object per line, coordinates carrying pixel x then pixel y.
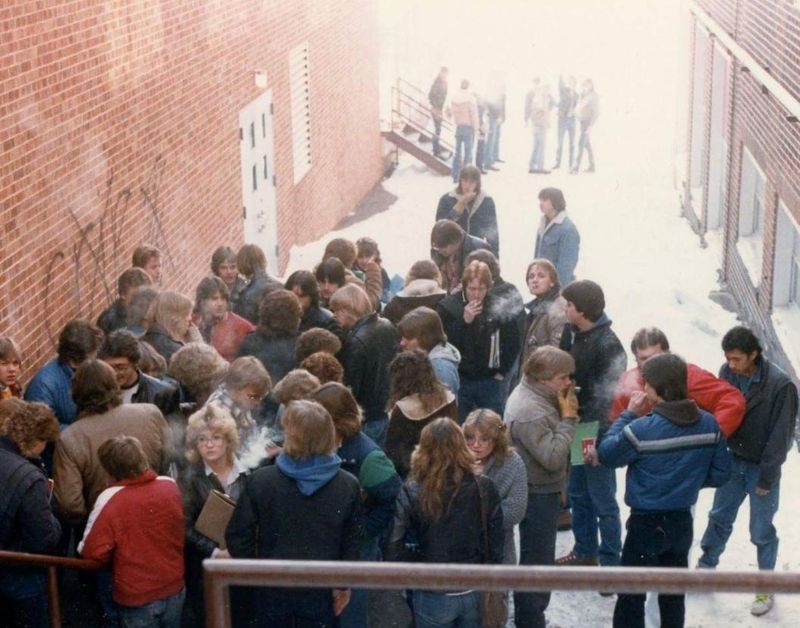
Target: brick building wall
{"type": "Point", "coordinates": [119, 125]}
{"type": "Point", "coordinates": [769, 30]}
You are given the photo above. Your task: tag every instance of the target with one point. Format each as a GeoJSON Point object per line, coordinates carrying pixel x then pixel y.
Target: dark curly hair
{"type": "Point", "coordinates": [27, 424]}
{"type": "Point", "coordinates": [279, 313]}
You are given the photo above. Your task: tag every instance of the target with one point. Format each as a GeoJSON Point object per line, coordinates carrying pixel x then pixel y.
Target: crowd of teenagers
{"type": "Point", "coordinates": [478, 120]}
{"type": "Point", "coordinates": [348, 422]}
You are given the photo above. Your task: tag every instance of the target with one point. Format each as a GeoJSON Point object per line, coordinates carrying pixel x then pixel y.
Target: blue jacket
{"type": "Point", "coordinates": [559, 242]}
{"type": "Point", "coordinates": [671, 454]}
{"type": "Point", "coordinates": [52, 386]}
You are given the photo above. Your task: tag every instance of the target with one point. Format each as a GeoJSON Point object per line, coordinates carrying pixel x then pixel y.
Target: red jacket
{"type": "Point", "coordinates": [137, 525]}
{"type": "Point", "coordinates": [710, 393]}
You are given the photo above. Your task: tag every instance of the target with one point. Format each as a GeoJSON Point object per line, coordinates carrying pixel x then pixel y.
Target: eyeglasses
{"type": "Point", "coordinates": [216, 439]}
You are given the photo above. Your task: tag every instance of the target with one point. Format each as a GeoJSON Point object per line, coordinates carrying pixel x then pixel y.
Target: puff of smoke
{"type": "Point", "coordinates": [257, 447]}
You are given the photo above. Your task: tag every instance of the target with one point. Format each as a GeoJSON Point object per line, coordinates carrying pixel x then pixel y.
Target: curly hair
{"type": "Point", "coordinates": [218, 420]}
{"type": "Point", "coordinates": [279, 313]}
{"type": "Point", "coordinates": [324, 367]}
{"type": "Point", "coordinates": [296, 384]}
{"type": "Point", "coordinates": [439, 463]}
{"type": "Point", "coordinates": [411, 373]}
{"type": "Point", "coordinates": [94, 388]}
{"type": "Point", "coordinates": [27, 424]}
{"type": "Point", "coordinates": [199, 368]}
{"type": "Point", "coordinates": [316, 340]}
{"type": "Point", "coordinates": [491, 425]}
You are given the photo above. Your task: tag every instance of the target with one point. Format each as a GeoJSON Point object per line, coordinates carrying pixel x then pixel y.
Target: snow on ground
{"type": "Point", "coordinates": [633, 243]}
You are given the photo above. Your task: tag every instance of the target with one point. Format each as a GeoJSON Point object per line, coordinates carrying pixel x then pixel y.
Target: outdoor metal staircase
{"type": "Point", "coordinates": [412, 128]}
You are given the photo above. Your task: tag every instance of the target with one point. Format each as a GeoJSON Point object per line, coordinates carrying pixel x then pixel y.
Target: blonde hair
{"type": "Point", "coordinates": [353, 299]}
{"type": "Point", "coordinates": [477, 270]}
{"type": "Point", "coordinates": [491, 425]}
{"type": "Point", "coordinates": [308, 430]}
{"type": "Point", "coordinates": [217, 420]}
{"type": "Point", "coordinates": [170, 309]}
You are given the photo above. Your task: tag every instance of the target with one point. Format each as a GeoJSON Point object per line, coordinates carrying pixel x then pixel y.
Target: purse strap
{"type": "Point", "coordinates": [484, 524]}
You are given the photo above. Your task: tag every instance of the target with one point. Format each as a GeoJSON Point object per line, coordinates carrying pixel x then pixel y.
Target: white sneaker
{"type": "Point", "coordinates": [762, 604]}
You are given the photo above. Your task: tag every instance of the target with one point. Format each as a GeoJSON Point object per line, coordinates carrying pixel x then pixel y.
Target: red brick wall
{"type": "Point", "coordinates": [119, 125]}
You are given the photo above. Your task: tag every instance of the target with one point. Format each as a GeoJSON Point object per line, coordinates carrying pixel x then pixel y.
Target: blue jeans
{"type": "Point", "coordinates": [376, 430]}
{"type": "Point", "coordinates": [592, 496]}
{"type": "Point", "coordinates": [492, 142]}
{"type": "Point", "coordinates": [727, 500]}
{"type": "Point", "coordinates": [355, 613]}
{"type": "Point", "coordinates": [655, 540]}
{"type": "Point", "coordinates": [438, 610]}
{"type": "Point", "coordinates": [480, 393]}
{"type": "Point", "coordinates": [164, 613]}
{"type": "Point", "coordinates": [537, 546]}
{"type": "Point", "coordinates": [566, 126]}
{"type": "Point", "coordinates": [437, 132]}
{"type": "Point", "coordinates": [584, 143]}
{"type": "Point", "coordinates": [465, 135]}
{"type": "Point", "coordinates": [24, 591]}
{"type": "Point", "coordinates": [537, 155]}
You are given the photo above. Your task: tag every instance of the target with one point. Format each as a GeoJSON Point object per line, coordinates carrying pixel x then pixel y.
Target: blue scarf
{"type": "Point", "coordinates": [311, 474]}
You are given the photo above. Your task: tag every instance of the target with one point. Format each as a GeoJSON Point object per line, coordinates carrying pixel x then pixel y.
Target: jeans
{"type": "Point", "coordinates": [24, 598]}
{"type": "Point", "coordinates": [492, 142]}
{"type": "Point", "coordinates": [655, 540]}
{"type": "Point", "coordinates": [464, 138]}
{"type": "Point", "coordinates": [592, 496]}
{"type": "Point", "coordinates": [537, 155]}
{"type": "Point", "coordinates": [355, 613]}
{"type": "Point", "coordinates": [566, 126]}
{"type": "Point", "coordinates": [480, 393]}
{"type": "Point", "coordinates": [537, 541]}
{"type": "Point", "coordinates": [164, 613]}
{"type": "Point", "coordinates": [480, 154]}
{"type": "Point", "coordinates": [439, 610]}
{"type": "Point", "coordinates": [437, 132]}
{"type": "Point", "coordinates": [584, 143]}
{"type": "Point", "coordinates": [727, 500]}
{"type": "Point", "coordinates": [110, 609]}
{"type": "Point", "coordinates": [376, 430]}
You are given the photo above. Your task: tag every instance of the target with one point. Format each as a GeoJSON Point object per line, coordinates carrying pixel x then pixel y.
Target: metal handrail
{"type": "Point", "coordinates": [51, 563]}
{"type": "Point", "coordinates": [401, 98]}
{"type": "Point", "coordinates": [222, 573]}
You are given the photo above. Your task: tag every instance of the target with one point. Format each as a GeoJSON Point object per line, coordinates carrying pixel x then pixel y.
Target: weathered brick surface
{"type": "Point", "coordinates": [119, 125]}
{"type": "Point", "coordinates": [769, 30]}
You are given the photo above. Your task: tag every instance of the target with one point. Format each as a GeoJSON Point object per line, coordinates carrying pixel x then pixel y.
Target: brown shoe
{"type": "Point", "coordinates": [564, 521]}
{"type": "Point", "coordinates": [573, 560]}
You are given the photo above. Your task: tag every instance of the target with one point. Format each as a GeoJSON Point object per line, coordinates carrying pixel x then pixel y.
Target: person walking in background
{"type": "Point", "coordinates": [539, 115]}
{"type": "Point", "coordinates": [671, 453]}
{"type": "Point", "coordinates": [557, 238]}
{"type": "Point", "coordinates": [586, 111]}
{"type": "Point", "coordinates": [464, 109]}
{"type": "Point", "coordinates": [759, 447]}
{"type": "Point", "coordinates": [567, 101]}
{"type": "Point", "coordinates": [437, 95]}
{"type": "Point", "coordinates": [599, 362]}
{"type": "Point", "coordinates": [495, 114]}
{"type": "Point", "coordinates": [471, 208]}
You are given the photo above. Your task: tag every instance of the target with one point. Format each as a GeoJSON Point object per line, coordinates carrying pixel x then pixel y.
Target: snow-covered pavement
{"type": "Point", "coordinates": [633, 242]}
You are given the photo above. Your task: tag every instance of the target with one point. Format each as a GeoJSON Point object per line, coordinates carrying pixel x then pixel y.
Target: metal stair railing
{"type": "Point", "coordinates": [411, 110]}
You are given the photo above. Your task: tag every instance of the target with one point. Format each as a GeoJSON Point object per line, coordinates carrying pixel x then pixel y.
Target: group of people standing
{"type": "Point", "coordinates": [347, 422]}
{"type": "Point", "coordinates": [478, 121]}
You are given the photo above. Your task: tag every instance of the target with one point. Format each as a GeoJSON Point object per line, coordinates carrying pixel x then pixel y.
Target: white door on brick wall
{"type": "Point", "coordinates": [259, 207]}
{"type": "Point", "coordinates": [718, 155]}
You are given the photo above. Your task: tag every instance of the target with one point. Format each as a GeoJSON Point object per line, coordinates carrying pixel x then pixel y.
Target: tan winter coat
{"type": "Point", "coordinates": [540, 435]}
{"type": "Point", "coordinates": [79, 477]}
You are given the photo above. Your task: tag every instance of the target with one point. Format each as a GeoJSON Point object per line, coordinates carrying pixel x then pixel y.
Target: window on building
{"type": "Point", "coordinates": [301, 110]}
{"type": "Point", "coordinates": [786, 282]}
{"type": "Point", "coordinates": [751, 216]}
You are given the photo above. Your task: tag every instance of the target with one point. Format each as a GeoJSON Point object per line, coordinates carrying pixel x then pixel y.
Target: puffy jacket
{"type": "Point", "coordinates": [600, 361]}
{"type": "Point", "coordinates": [370, 346]}
{"type": "Point", "coordinates": [559, 241]}
{"type": "Point", "coordinates": [540, 435]}
{"type": "Point", "coordinates": [765, 435]}
{"type": "Point", "coordinates": [710, 393]}
{"type": "Point", "coordinates": [671, 454]}
{"type": "Point", "coordinates": [489, 345]}
{"type": "Point", "coordinates": [52, 386]}
{"type": "Point", "coordinates": [26, 522]}
{"type": "Point", "coordinates": [478, 219]}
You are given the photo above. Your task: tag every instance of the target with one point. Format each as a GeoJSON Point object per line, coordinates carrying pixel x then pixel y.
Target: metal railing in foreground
{"type": "Point", "coordinates": [51, 563]}
{"type": "Point", "coordinates": [221, 574]}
